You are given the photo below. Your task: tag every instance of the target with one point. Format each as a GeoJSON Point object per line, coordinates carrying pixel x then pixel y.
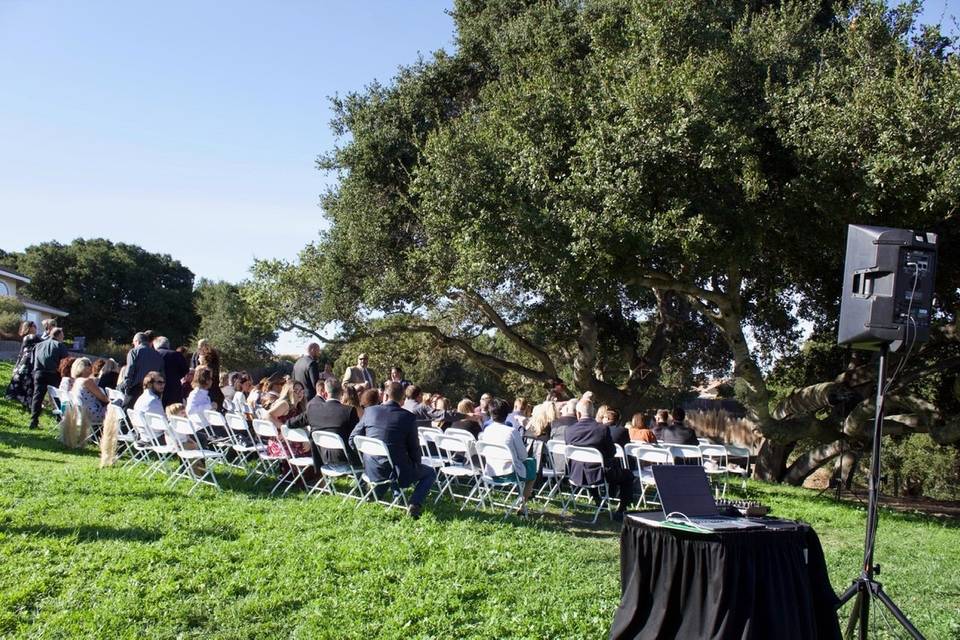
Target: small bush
{"type": "Point", "coordinates": [108, 349]}
{"type": "Point", "coordinates": [915, 465]}
{"type": "Point", "coordinates": [11, 315]}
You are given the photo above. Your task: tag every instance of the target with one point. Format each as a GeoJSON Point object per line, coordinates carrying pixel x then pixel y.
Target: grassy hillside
{"type": "Point", "coordinates": [91, 553]}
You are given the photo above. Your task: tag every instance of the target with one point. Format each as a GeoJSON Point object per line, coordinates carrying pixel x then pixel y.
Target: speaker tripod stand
{"type": "Point", "coordinates": [864, 587]}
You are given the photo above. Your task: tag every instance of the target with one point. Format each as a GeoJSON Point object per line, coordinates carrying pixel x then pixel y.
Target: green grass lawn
{"type": "Point", "coordinates": [103, 553]}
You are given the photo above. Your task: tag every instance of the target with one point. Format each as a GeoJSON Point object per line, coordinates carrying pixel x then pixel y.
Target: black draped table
{"type": "Point", "coordinates": [750, 584]}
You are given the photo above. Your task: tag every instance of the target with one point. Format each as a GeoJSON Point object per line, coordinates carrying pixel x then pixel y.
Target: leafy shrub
{"type": "Point", "coordinates": [11, 315]}
{"type": "Point", "coordinates": [916, 465]}
{"type": "Point", "coordinates": [108, 349]}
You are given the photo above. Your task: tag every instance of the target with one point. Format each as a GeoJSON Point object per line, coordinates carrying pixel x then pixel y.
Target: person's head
{"type": "Point", "coordinates": [331, 388]}
{"type": "Point", "coordinates": [81, 368]}
{"type": "Point", "coordinates": [176, 410]}
{"type": "Point", "coordinates": [396, 373]}
{"type": "Point", "coordinates": [585, 410]}
{"type": "Point", "coordinates": [327, 367]}
{"type": "Point", "coordinates": [413, 392]}
{"type": "Point", "coordinates": [465, 406]}
{"type": "Point", "coordinates": [299, 391]}
{"type": "Point", "coordinates": [350, 396]}
{"type": "Point", "coordinates": [57, 333]}
{"type": "Point", "coordinates": [154, 381]}
{"type": "Point", "coordinates": [521, 405]}
{"type": "Point", "coordinates": [394, 391]}
{"type": "Point", "coordinates": [499, 409]}
{"type": "Point", "coordinates": [27, 327]}
{"type": "Point", "coordinates": [202, 345]}
{"type": "Point", "coordinates": [224, 379]}
{"type": "Point", "coordinates": [369, 398]}
{"type": "Point", "coordinates": [98, 365]}
{"type": "Point", "coordinates": [543, 414]}
{"type": "Point", "coordinates": [638, 421]}
{"type": "Point", "coordinates": [679, 414]}
{"type": "Point", "coordinates": [48, 324]}
{"type": "Point", "coordinates": [187, 377]}
{"type": "Point", "coordinates": [161, 342]}
{"type": "Point", "coordinates": [485, 401]}
{"type": "Point", "coordinates": [611, 417]}
{"type": "Point", "coordinates": [64, 368]}
{"type": "Point", "coordinates": [138, 339]}
{"type": "Point", "coordinates": [362, 360]}
{"type": "Point", "coordinates": [148, 337]}
{"type": "Point", "coordinates": [110, 366]}
{"type": "Point", "coordinates": [663, 416]}
{"type": "Point", "coordinates": [440, 403]}
{"type": "Point", "coordinates": [313, 350]}
{"type": "Point", "coordinates": [202, 378]}
{"type": "Point", "coordinates": [568, 409]}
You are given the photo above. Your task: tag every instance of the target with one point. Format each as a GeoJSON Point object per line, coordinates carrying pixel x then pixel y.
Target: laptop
{"type": "Point", "coordinates": [686, 498]}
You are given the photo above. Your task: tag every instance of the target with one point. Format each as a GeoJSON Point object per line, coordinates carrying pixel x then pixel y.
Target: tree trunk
{"type": "Point", "coordinates": [812, 460]}
{"type": "Point", "coordinates": [771, 461]}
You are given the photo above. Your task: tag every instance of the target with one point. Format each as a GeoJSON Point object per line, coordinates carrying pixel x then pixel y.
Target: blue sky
{"type": "Point", "coordinates": [191, 128]}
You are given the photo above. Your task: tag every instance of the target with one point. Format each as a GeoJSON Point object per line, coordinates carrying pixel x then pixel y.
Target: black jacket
{"type": "Point", "coordinates": [619, 434]}
{"type": "Point", "coordinates": [174, 368]}
{"type": "Point", "coordinates": [330, 415]}
{"type": "Point", "coordinates": [589, 433]}
{"type": "Point", "coordinates": [306, 371]}
{"type": "Point", "coordinates": [397, 427]}
{"type": "Point", "coordinates": [677, 433]}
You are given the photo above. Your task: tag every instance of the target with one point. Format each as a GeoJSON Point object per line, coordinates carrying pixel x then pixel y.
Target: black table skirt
{"type": "Point", "coordinates": [739, 584]}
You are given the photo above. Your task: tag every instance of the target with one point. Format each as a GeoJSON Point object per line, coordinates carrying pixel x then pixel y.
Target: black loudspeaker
{"type": "Point", "coordinates": [887, 287]}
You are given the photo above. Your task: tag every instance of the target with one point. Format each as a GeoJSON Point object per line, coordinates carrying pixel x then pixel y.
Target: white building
{"type": "Point", "coordinates": [10, 281]}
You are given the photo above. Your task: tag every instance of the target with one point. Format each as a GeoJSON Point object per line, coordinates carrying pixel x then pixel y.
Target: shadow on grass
{"type": "Point", "coordinates": [42, 440]}
{"type": "Point", "coordinates": [87, 533]}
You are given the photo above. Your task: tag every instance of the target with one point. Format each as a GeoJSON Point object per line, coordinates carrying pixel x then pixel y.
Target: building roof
{"type": "Point", "coordinates": [10, 273]}
{"type": "Point", "coordinates": [39, 306]}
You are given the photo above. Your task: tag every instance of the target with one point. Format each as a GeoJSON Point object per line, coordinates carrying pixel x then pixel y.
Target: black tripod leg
{"type": "Point", "coordinates": [849, 593]}
{"type": "Point", "coordinates": [880, 595]}
{"type": "Point", "coordinates": [854, 613]}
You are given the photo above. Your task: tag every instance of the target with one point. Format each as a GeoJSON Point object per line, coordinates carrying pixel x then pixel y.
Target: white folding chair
{"type": "Point", "coordinates": [332, 442]}
{"type": "Point", "coordinates": [245, 443]}
{"type": "Point", "coordinates": [460, 433]}
{"type": "Point", "coordinates": [554, 472]}
{"type": "Point", "coordinates": [714, 458]}
{"type": "Point", "coordinates": [180, 431]}
{"type": "Point", "coordinates": [430, 456]}
{"type": "Point", "coordinates": [220, 435]}
{"type": "Point", "coordinates": [587, 455]}
{"type": "Point", "coordinates": [646, 456]}
{"type": "Point", "coordinates": [458, 451]}
{"type": "Point", "coordinates": [298, 463]}
{"type": "Point", "coordinates": [703, 441]}
{"type": "Point", "coordinates": [738, 462]}
{"type": "Point", "coordinates": [267, 462]}
{"type": "Point", "coordinates": [56, 401]}
{"type": "Point", "coordinates": [685, 453]}
{"type": "Point", "coordinates": [376, 448]}
{"type": "Point", "coordinates": [493, 456]}
{"type": "Point", "coordinates": [150, 428]}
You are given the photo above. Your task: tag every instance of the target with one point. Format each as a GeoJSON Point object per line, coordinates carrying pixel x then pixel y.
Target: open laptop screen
{"type": "Point", "coordinates": [684, 489]}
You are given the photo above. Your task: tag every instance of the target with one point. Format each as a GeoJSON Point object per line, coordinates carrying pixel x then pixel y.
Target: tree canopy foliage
{"type": "Point", "coordinates": [111, 290]}
{"type": "Point", "coordinates": [627, 187]}
{"type": "Point", "coordinates": [240, 334]}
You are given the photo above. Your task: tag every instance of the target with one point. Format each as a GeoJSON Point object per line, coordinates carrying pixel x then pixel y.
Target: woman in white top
{"type": "Point", "coordinates": [524, 468]}
{"type": "Point", "coordinates": [199, 399]}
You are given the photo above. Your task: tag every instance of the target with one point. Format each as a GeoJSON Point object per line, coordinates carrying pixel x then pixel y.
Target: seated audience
{"type": "Point", "coordinates": [89, 397]}
{"type": "Point", "coordinates": [468, 420]}
{"type": "Point", "coordinates": [567, 417]}
{"type": "Point", "coordinates": [290, 404]}
{"type": "Point", "coordinates": [368, 398]}
{"type": "Point", "coordinates": [150, 400]}
{"type": "Point", "coordinates": [522, 468]}
{"type": "Point", "coordinates": [109, 374]}
{"type": "Point", "coordinates": [518, 417]}
{"type": "Point", "coordinates": [638, 430]}
{"type": "Point", "coordinates": [199, 399]}
{"type": "Point", "coordinates": [398, 430]}
{"type": "Point", "coordinates": [678, 432]}
{"type": "Point", "coordinates": [66, 380]}
{"type": "Point", "coordinates": [538, 426]}
{"type": "Point", "coordinates": [326, 413]}
{"type": "Point", "coordinates": [663, 421]}
{"type": "Point", "coordinates": [611, 418]}
{"type": "Point", "coordinates": [586, 432]}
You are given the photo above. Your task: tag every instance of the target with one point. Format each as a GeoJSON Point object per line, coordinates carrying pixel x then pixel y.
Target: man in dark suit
{"type": "Point", "coordinates": [306, 370]}
{"type": "Point", "coordinates": [141, 360]}
{"type": "Point", "coordinates": [46, 361]}
{"type": "Point", "coordinates": [397, 428]}
{"type": "Point", "coordinates": [587, 432]}
{"type": "Point", "coordinates": [567, 417]}
{"type": "Point", "coordinates": [326, 413]}
{"type": "Point", "coordinates": [678, 432]}
{"type": "Point", "coordinates": [174, 368]}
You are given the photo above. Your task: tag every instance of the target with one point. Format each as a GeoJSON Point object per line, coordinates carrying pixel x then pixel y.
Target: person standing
{"type": "Point", "coordinates": [141, 360]}
{"type": "Point", "coordinates": [21, 383]}
{"type": "Point", "coordinates": [360, 375]}
{"type": "Point", "coordinates": [175, 367]}
{"type": "Point", "coordinates": [306, 370]}
{"type": "Point", "coordinates": [46, 361]}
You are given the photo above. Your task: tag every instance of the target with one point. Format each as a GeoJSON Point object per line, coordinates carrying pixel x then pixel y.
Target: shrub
{"type": "Point", "coordinates": [11, 315]}
{"type": "Point", "coordinates": [108, 349]}
{"type": "Point", "coordinates": [915, 465]}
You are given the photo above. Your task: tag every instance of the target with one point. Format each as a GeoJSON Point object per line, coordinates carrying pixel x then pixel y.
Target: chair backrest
{"type": "Point", "coordinates": [453, 446]}
{"type": "Point", "coordinates": [557, 451]}
{"type": "Point", "coordinates": [114, 396]}
{"type": "Point", "coordinates": [295, 435]}
{"type": "Point", "coordinates": [328, 440]}
{"type": "Point", "coordinates": [54, 392]}
{"type": "Point", "coordinates": [690, 451]}
{"type": "Point", "coordinates": [214, 418]}
{"type": "Point", "coordinates": [734, 451]}
{"type": "Point", "coordinates": [583, 454]}
{"type": "Point", "coordinates": [460, 433]}
{"type": "Point", "coordinates": [703, 441]}
{"type": "Point", "coordinates": [182, 427]}
{"type": "Point", "coordinates": [156, 424]}
{"type": "Point", "coordinates": [372, 447]}
{"type": "Point", "coordinates": [643, 453]}
{"type": "Point", "coordinates": [138, 423]}
{"type": "Point", "coordinates": [262, 413]}
{"type": "Point", "coordinates": [265, 428]}
{"type": "Point", "coordinates": [713, 451]}
{"type": "Point", "coordinates": [237, 422]}
{"type": "Point", "coordinates": [493, 454]}
{"type": "Point", "coordinates": [621, 454]}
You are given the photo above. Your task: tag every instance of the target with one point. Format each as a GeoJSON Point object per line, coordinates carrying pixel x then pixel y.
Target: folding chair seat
{"type": "Point", "coordinates": [376, 448]}
{"type": "Point", "coordinates": [430, 455]}
{"type": "Point", "coordinates": [493, 456]}
{"type": "Point", "coordinates": [267, 462]}
{"type": "Point", "coordinates": [458, 452]}
{"type": "Point", "coordinates": [587, 455]}
{"type": "Point", "coordinates": [331, 441]}
{"type": "Point", "coordinates": [645, 457]}
{"type": "Point", "coordinates": [297, 462]}
{"type": "Point", "coordinates": [245, 445]}
{"type": "Point", "coordinates": [220, 436]}
{"type": "Point", "coordinates": [181, 431]}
